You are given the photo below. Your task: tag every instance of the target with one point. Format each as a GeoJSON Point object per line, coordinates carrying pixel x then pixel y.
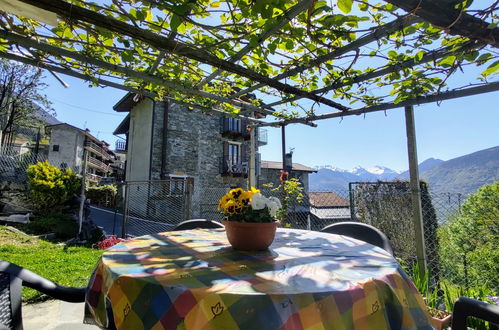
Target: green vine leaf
{"type": "Point", "coordinates": [345, 5]}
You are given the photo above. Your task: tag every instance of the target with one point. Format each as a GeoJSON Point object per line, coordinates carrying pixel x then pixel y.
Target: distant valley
{"type": "Point", "coordinates": [463, 174]}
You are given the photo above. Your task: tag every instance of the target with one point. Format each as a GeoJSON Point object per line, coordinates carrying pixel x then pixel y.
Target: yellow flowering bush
{"type": "Point", "coordinates": [50, 187]}
{"type": "Point", "coordinates": [248, 206]}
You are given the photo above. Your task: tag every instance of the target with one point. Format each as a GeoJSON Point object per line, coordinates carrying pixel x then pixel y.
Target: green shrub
{"type": "Point", "coordinates": [469, 241]}
{"type": "Point", "coordinates": [51, 188]}
{"type": "Point", "coordinates": [102, 195]}
{"type": "Point", "coordinates": [60, 224]}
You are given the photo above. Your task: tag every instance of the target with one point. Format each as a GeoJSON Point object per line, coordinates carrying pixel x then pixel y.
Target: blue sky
{"type": "Point", "coordinates": [456, 127]}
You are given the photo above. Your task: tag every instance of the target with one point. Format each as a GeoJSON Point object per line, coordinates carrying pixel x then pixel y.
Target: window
{"type": "Point", "coordinates": [234, 124]}
{"type": "Point", "coordinates": [234, 153]}
{"type": "Point", "coordinates": [55, 147]}
{"type": "Point", "coordinates": [176, 185]}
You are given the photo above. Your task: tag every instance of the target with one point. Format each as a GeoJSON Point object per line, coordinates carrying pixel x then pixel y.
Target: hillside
{"type": "Point", "coordinates": [423, 167]}
{"type": "Point", "coordinates": [331, 180]}
{"type": "Point", "coordinates": [464, 174]}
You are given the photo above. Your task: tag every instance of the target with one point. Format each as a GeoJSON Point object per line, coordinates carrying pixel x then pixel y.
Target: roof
{"type": "Point", "coordinates": [123, 127]}
{"type": "Point", "coordinates": [127, 102]}
{"type": "Point", "coordinates": [327, 199]}
{"type": "Point", "coordinates": [83, 131]}
{"type": "Point", "coordinates": [278, 166]}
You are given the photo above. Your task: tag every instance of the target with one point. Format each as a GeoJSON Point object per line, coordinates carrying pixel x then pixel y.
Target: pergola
{"type": "Point", "coordinates": [308, 59]}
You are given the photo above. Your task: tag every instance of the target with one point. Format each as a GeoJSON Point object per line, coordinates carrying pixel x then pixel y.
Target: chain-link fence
{"type": "Point", "coordinates": [19, 148]}
{"type": "Point", "coordinates": [156, 206]}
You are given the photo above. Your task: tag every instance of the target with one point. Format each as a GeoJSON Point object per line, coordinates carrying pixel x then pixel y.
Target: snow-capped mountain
{"type": "Point", "coordinates": [459, 175]}
{"type": "Point", "coordinates": [329, 177]}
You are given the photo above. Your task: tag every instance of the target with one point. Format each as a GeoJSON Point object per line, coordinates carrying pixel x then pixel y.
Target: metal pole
{"type": "Point", "coordinates": [125, 213]}
{"type": "Point", "coordinates": [252, 164]}
{"type": "Point", "coordinates": [417, 212]}
{"type": "Point", "coordinates": [283, 174]}
{"type": "Point", "coordinates": [37, 145]}
{"type": "Point", "coordinates": [283, 135]}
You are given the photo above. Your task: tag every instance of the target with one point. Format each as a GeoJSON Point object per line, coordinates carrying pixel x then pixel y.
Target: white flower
{"type": "Point", "coordinates": [274, 204]}
{"type": "Point", "coordinates": [258, 202]}
{"type": "Point", "coordinates": [275, 200]}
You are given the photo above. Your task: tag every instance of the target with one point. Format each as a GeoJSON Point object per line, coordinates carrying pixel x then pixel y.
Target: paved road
{"type": "Point", "coordinates": [112, 221]}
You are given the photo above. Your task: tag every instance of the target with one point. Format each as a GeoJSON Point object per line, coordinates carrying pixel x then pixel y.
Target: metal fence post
{"type": "Point", "coordinates": [189, 185]}
{"type": "Point", "coordinates": [125, 212]}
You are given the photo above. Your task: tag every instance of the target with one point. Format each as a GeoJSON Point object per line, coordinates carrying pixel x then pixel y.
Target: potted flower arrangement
{"type": "Point", "coordinates": [249, 218]}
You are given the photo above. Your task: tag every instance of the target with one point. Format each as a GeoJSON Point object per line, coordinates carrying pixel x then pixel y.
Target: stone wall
{"type": "Point", "coordinates": [70, 143]}
{"type": "Point", "coordinates": [14, 197]}
{"type": "Point", "coordinates": [193, 148]}
{"type": "Point", "coordinates": [270, 175]}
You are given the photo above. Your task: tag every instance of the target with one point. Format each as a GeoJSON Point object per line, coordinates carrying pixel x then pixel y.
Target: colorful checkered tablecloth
{"type": "Point", "coordinates": [306, 280]}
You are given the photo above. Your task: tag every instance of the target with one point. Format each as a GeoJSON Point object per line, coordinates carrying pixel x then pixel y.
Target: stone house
{"type": "Point", "coordinates": [200, 155]}
{"type": "Point", "coordinates": [271, 171]}
{"type": "Point", "coordinates": [327, 208]}
{"type": "Point", "coordinates": [66, 150]}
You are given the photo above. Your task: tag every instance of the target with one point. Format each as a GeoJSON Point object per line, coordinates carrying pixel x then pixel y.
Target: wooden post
{"type": "Point", "coordinates": [417, 213]}
{"type": "Point", "coordinates": [83, 182]}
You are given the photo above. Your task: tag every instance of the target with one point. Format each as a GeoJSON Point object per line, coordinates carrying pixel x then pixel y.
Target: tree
{"type": "Point", "coordinates": [20, 87]}
{"type": "Point", "coordinates": [470, 241]}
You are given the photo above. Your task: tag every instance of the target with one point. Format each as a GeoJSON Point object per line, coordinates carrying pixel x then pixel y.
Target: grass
{"type": "Point", "coordinates": [65, 265]}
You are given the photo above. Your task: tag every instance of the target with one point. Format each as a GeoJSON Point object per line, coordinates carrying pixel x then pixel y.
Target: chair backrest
{"type": "Point", "coordinates": [466, 307]}
{"type": "Point", "coordinates": [360, 231]}
{"type": "Point", "coordinates": [10, 301]}
{"type": "Point", "coordinates": [198, 223]}
{"type": "Point", "coordinates": [13, 277]}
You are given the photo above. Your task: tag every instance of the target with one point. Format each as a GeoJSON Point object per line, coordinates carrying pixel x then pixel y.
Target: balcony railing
{"type": "Point", "coordinates": [234, 129]}
{"type": "Point", "coordinates": [236, 168]}
{"type": "Point", "coordinates": [95, 148]}
{"type": "Point", "coordinates": [97, 163]}
{"type": "Point", "coordinates": [262, 138]}
{"type": "Point", "coordinates": [120, 145]}
{"type": "Point", "coordinates": [94, 178]}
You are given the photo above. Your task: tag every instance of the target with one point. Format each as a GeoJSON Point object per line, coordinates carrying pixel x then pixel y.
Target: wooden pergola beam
{"type": "Point", "coordinates": [377, 33]}
{"type": "Point", "coordinates": [73, 12]}
{"type": "Point", "coordinates": [444, 15]}
{"type": "Point", "coordinates": [428, 57]}
{"type": "Point", "coordinates": [144, 76]}
{"type": "Point", "coordinates": [287, 17]}
{"type": "Point", "coordinates": [491, 87]}
{"type": "Point", "coordinates": [72, 73]}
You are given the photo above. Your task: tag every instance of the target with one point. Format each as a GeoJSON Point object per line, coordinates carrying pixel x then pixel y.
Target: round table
{"type": "Point", "coordinates": [306, 280]}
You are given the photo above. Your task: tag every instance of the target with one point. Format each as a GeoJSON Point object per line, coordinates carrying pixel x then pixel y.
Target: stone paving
{"type": "Point", "coordinates": [54, 315]}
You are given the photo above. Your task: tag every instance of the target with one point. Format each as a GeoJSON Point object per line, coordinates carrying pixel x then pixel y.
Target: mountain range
{"type": "Point", "coordinates": [463, 174]}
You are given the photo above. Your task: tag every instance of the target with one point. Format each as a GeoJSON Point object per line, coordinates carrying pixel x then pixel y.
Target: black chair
{"type": "Point", "coordinates": [197, 223]}
{"type": "Point", "coordinates": [360, 231]}
{"type": "Point", "coordinates": [466, 307]}
{"type": "Point", "coordinates": [13, 278]}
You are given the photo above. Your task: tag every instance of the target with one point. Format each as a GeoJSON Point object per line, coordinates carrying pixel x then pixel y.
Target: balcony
{"type": "Point", "coordinates": [234, 128]}
{"type": "Point", "coordinates": [261, 137]}
{"type": "Point", "coordinates": [99, 165]}
{"type": "Point", "coordinates": [120, 145]}
{"type": "Point", "coordinates": [93, 177]}
{"type": "Point", "coordinates": [96, 149]}
{"type": "Point", "coordinates": [229, 167]}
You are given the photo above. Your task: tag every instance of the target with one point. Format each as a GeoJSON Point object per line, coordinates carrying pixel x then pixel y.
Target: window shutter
{"type": "Point", "coordinates": [243, 156]}
{"type": "Point", "coordinates": [222, 119]}
{"type": "Point", "coordinates": [244, 124]}
{"type": "Point", "coordinates": [226, 149]}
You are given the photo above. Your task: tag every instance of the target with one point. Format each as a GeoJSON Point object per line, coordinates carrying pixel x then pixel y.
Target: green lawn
{"type": "Point", "coordinates": [70, 266]}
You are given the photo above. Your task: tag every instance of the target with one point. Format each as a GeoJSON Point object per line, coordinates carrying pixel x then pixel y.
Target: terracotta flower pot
{"type": "Point", "coordinates": [441, 322]}
{"type": "Point", "coordinates": [250, 236]}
